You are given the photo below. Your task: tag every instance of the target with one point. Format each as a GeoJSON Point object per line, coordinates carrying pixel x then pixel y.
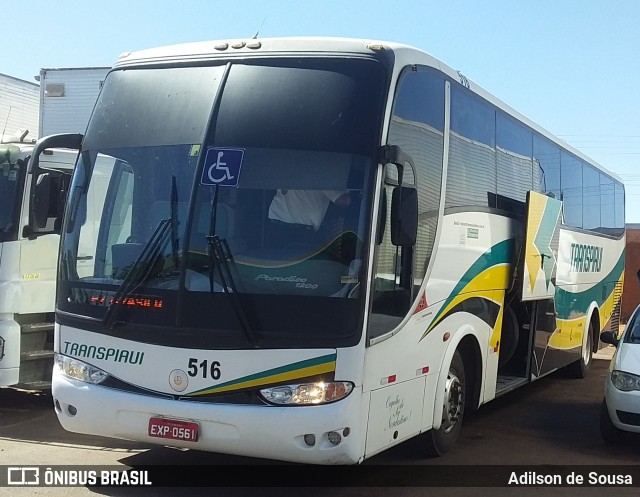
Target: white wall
{"type": "Point", "coordinates": [19, 102]}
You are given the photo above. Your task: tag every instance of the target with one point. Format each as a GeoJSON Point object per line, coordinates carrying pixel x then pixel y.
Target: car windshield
{"type": "Point", "coordinates": [228, 205]}
{"type": "Point", "coordinates": [633, 333]}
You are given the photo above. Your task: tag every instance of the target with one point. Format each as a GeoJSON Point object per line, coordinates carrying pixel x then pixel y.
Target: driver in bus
{"type": "Point", "coordinates": [296, 215]}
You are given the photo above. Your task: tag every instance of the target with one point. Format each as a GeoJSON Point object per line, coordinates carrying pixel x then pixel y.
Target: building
{"type": "Point", "coordinates": [631, 291]}
{"type": "Point", "coordinates": [19, 103]}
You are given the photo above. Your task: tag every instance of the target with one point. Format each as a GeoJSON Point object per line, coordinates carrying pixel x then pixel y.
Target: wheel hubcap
{"type": "Point", "coordinates": [586, 350]}
{"type": "Point", "coordinates": [586, 355]}
{"type": "Point", "coordinates": [453, 402]}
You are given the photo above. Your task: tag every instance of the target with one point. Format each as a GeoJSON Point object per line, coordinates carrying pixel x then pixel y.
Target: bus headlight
{"type": "Point", "coordinates": [626, 382]}
{"type": "Point", "coordinates": [307, 393]}
{"type": "Point", "coordinates": [78, 370]}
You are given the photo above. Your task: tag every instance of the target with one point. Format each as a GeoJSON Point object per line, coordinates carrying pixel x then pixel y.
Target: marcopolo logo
{"type": "Point", "coordinates": [586, 258]}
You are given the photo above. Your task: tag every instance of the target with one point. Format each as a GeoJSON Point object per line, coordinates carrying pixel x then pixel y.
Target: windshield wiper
{"type": "Point", "coordinates": [220, 256]}
{"type": "Point", "coordinates": [175, 242]}
{"type": "Point", "coordinates": [140, 270]}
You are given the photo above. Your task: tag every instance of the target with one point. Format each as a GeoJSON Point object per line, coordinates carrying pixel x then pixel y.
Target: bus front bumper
{"type": "Point", "coordinates": [271, 432]}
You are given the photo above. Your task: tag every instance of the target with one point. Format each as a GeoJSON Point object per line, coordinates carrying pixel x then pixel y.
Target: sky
{"type": "Point", "coordinates": [572, 66]}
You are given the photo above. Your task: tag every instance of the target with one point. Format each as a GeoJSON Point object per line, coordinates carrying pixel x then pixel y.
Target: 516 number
{"type": "Point", "coordinates": [212, 369]}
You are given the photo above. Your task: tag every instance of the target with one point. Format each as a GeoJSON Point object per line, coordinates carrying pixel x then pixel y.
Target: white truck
{"type": "Point", "coordinates": [32, 196]}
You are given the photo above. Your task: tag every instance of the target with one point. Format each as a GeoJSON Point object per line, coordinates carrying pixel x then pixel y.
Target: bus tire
{"type": "Point", "coordinates": [509, 337]}
{"type": "Point", "coordinates": [580, 368]}
{"type": "Point", "coordinates": [440, 441]}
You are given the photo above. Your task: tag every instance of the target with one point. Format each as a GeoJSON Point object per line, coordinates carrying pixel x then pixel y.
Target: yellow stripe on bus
{"type": "Point", "coordinates": [276, 378]}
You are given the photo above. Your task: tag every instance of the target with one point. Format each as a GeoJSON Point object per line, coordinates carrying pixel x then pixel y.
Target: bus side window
{"type": "Point", "coordinates": [417, 127]}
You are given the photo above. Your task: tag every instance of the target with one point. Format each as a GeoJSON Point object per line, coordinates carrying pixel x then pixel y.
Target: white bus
{"type": "Point", "coordinates": [476, 253]}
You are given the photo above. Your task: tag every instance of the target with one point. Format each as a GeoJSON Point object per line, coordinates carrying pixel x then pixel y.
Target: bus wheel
{"type": "Point", "coordinates": [440, 441]}
{"type": "Point", "coordinates": [580, 368]}
{"type": "Point", "coordinates": [509, 338]}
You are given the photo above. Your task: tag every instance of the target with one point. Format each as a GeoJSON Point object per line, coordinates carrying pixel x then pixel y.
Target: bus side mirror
{"type": "Point", "coordinates": [404, 216]}
{"type": "Point", "coordinates": [404, 200]}
{"type": "Point", "coordinates": [382, 218]}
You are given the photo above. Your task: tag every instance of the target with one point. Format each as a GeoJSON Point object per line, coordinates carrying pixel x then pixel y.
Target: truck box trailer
{"type": "Point", "coordinates": [67, 98]}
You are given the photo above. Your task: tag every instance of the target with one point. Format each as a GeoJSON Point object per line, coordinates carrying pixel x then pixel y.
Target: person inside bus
{"type": "Point", "coordinates": [295, 216]}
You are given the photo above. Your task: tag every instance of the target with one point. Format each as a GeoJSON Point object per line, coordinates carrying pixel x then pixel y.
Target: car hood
{"type": "Point", "coordinates": [628, 358]}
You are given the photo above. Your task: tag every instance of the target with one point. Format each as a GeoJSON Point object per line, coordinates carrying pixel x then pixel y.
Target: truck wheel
{"type": "Point", "coordinates": [440, 441]}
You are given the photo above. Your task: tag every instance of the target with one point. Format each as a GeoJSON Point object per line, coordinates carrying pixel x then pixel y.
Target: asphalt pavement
{"type": "Point", "coordinates": [553, 422]}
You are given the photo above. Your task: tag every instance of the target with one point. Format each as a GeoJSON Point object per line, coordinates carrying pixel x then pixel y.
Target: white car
{"type": "Point", "coordinates": [621, 405]}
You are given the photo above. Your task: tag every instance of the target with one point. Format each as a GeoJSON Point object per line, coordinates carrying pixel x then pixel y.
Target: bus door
{"type": "Point", "coordinates": [542, 234]}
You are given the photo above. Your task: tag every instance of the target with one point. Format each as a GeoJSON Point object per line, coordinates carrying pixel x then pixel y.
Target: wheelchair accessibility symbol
{"type": "Point", "coordinates": [222, 166]}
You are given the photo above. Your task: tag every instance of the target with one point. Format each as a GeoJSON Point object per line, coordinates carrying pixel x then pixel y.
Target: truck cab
{"type": "Point", "coordinates": [32, 197]}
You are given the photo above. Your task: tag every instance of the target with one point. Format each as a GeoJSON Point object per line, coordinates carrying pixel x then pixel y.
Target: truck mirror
{"type": "Point", "coordinates": [66, 140]}
{"type": "Point", "coordinates": [46, 205]}
{"type": "Point", "coordinates": [41, 200]}
{"type": "Point", "coordinates": [9, 154]}
{"type": "Point", "coordinates": [404, 216]}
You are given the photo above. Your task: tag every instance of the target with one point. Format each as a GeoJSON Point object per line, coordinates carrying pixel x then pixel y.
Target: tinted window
{"type": "Point", "coordinates": [162, 221]}
{"type": "Point", "coordinates": [420, 99]}
{"type": "Point", "coordinates": [472, 117]}
{"type": "Point", "coordinates": [546, 164]}
{"type": "Point", "coordinates": [619, 207]}
{"type": "Point", "coordinates": [571, 183]}
{"type": "Point", "coordinates": [12, 172]}
{"type": "Point", "coordinates": [513, 136]}
{"type": "Point", "coordinates": [590, 198]}
{"type": "Point", "coordinates": [514, 149]}
{"type": "Point", "coordinates": [153, 107]}
{"type": "Point", "coordinates": [417, 126]}
{"type": "Point", "coordinates": [323, 105]}
{"type": "Point", "coordinates": [607, 205]}
{"type": "Point", "coordinates": [471, 178]}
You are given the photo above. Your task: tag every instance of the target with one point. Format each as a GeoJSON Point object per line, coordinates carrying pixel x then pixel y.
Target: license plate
{"type": "Point", "coordinates": [173, 429]}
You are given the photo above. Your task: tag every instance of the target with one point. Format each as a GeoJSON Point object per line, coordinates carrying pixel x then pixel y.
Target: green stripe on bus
{"type": "Point", "coordinates": [316, 361]}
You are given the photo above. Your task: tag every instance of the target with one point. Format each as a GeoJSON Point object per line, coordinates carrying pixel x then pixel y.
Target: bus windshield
{"type": "Point", "coordinates": [226, 205]}
{"type": "Point", "coordinates": [11, 181]}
